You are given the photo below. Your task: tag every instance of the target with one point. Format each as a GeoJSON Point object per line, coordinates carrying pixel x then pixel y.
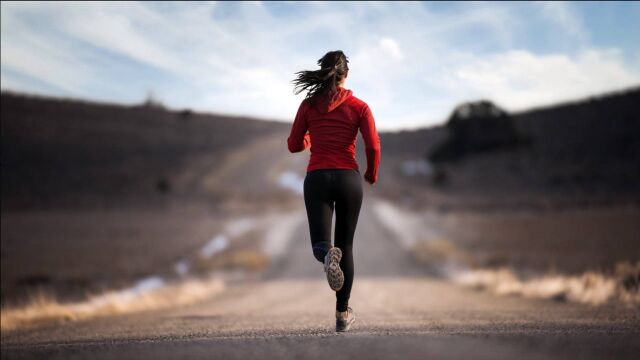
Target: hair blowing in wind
{"type": "Point", "coordinates": [333, 69]}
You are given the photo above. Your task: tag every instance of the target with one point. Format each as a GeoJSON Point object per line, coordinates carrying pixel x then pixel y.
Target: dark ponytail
{"type": "Point", "coordinates": [333, 69]}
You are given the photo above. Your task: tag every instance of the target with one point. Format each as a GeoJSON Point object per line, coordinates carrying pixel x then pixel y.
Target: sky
{"type": "Point", "coordinates": [411, 62]}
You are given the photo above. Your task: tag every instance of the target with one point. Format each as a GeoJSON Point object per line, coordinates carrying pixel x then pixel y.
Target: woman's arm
{"type": "Point", "coordinates": [372, 144]}
{"type": "Point", "coordinates": [299, 138]}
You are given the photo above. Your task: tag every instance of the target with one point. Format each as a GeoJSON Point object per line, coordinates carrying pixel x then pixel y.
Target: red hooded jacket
{"type": "Point", "coordinates": [332, 124]}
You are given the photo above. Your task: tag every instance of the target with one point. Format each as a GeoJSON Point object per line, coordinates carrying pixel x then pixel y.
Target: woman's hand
{"type": "Point", "coordinates": [368, 176]}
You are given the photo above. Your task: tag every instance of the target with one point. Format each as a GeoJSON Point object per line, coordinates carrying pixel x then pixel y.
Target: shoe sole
{"type": "Point", "coordinates": [335, 276]}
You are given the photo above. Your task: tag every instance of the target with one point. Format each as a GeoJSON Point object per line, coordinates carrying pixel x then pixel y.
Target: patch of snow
{"type": "Point", "coordinates": [291, 181]}
{"type": "Point", "coordinates": [182, 267]}
{"type": "Point", "coordinates": [147, 284]}
{"type": "Point", "coordinates": [215, 245]}
{"type": "Point", "coordinates": [416, 167]}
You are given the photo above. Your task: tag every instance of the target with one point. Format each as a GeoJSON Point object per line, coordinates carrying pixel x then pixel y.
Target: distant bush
{"type": "Point", "coordinates": [476, 127]}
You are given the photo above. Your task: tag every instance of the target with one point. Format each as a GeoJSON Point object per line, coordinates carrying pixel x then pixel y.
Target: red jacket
{"type": "Point", "coordinates": [332, 124]}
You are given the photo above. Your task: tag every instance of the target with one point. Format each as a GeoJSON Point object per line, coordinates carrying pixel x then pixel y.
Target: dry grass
{"type": "Point", "coordinates": [590, 287]}
{"type": "Point", "coordinates": [622, 284]}
{"type": "Point", "coordinates": [45, 309]}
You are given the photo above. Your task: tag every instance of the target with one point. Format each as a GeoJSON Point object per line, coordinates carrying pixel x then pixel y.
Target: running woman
{"type": "Point", "coordinates": [327, 121]}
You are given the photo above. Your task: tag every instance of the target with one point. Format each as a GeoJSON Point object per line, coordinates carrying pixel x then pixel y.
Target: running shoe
{"type": "Point", "coordinates": [335, 276]}
{"type": "Point", "coordinates": [345, 319]}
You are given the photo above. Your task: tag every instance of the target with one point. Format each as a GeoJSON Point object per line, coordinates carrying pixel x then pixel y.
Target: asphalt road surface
{"type": "Point", "coordinates": [402, 312]}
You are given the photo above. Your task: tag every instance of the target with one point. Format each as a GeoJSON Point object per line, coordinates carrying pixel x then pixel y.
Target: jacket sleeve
{"type": "Point", "coordinates": [299, 138]}
{"type": "Point", "coordinates": [371, 141]}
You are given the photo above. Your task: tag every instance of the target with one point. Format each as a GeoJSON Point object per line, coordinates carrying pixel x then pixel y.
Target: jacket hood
{"type": "Point", "coordinates": [330, 102]}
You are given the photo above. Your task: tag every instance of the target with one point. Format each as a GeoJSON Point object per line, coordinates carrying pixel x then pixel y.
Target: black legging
{"type": "Point", "coordinates": [322, 189]}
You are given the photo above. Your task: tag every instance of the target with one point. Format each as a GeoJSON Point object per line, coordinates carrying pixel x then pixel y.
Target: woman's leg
{"type": "Point", "coordinates": [319, 203]}
{"type": "Point", "coordinates": [348, 188]}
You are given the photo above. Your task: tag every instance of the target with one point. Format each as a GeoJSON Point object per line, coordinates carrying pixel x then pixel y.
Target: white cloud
{"type": "Point", "coordinates": [36, 56]}
{"type": "Point", "coordinates": [563, 15]}
{"type": "Point", "coordinates": [411, 63]}
{"type": "Point", "coordinates": [519, 79]}
{"type": "Point", "coordinates": [391, 47]}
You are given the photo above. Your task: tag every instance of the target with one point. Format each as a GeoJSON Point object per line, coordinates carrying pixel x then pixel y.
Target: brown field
{"type": "Point", "coordinates": [98, 196]}
{"type": "Point", "coordinates": [567, 241]}
{"type": "Point", "coordinates": [72, 252]}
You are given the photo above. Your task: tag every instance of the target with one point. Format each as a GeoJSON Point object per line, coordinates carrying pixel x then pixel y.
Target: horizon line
{"type": "Point", "coordinates": [162, 106]}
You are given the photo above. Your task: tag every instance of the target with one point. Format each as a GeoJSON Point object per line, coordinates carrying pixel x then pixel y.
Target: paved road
{"type": "Point", "coordinates": [402, 312]}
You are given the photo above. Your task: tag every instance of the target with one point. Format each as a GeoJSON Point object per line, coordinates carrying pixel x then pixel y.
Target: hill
{"type": "Point", "coordinates": [574, 154]}
{"type": "Point", "coordinates": [59, 152]}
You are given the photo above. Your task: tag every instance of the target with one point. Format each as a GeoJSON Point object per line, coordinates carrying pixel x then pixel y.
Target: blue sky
{"type": "Point", "coordinates": [412, 62]}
